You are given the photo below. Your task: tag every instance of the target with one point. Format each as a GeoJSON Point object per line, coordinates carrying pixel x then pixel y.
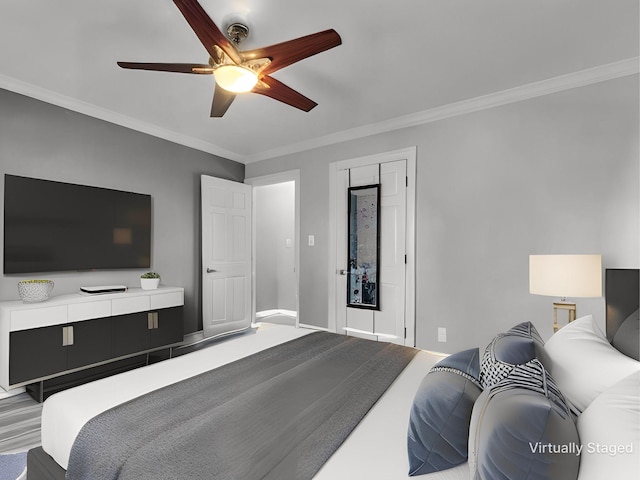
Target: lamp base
{"type": "Point", "coordinates": [569, 307]}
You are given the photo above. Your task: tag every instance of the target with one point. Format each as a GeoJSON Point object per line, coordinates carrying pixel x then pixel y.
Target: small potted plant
{"type": "Point", "coordinates": [149, 280]}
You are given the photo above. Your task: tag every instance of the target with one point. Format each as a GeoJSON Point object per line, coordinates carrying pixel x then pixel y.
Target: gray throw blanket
{"type": "Point", "coordinates": [278, 414]}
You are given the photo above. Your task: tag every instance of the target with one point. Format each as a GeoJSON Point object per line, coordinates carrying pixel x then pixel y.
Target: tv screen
{"type": "Point", "coordinates": [53, 226]}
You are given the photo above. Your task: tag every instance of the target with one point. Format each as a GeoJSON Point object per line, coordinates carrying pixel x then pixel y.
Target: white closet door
{"type": "Point", "coordinates": [388, 323]}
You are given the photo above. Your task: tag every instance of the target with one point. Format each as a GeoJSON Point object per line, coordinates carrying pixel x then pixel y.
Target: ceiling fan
{"type": "Point", "coordinates": [247, 71]}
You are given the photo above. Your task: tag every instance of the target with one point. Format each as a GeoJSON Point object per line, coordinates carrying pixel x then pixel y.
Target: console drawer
{"type": "Point", "coordinates": [122, 306]}
{"type": "Point", "coordinates": [38, 317]}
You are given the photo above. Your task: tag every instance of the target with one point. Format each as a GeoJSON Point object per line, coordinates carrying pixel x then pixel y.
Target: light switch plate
{"type": "Point", "coordinates": [442, 334]}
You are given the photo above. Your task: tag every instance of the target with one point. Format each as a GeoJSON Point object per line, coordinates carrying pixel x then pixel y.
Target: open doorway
{"type": "Point", "coordinates": [275, 249]}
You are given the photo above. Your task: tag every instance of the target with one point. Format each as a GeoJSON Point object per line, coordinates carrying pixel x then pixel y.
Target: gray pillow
{"type": "Point", "coordinates": [438, 432]}
{"type": "Point", "coordinates": [627, 338]}
{"type": "Point", "coordinates": [527, 330]}
{"type": "Point", "coordinates": [522, 429]}
{"type": "Point", "coordinates": [516, 346]}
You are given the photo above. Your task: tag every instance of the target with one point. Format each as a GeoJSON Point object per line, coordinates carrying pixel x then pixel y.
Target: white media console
{"type": "Point", "coordinates": [71, 333]}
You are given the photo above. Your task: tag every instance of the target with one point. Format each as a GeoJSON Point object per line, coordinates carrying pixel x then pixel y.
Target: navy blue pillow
{"type": "Point", "coordinates": [438, 431]}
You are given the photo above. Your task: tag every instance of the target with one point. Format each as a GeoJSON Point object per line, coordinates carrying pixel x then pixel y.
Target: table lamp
{"type": "Point", "coordinates": [565, 276]}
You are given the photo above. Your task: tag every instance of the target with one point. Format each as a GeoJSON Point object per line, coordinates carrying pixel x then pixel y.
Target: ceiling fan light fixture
{"type": "Point", "coordinates": [235, 78]}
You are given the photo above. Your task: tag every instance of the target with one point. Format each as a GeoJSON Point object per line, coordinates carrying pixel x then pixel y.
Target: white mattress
{"type": "Point", "coordinates": [376, 449]}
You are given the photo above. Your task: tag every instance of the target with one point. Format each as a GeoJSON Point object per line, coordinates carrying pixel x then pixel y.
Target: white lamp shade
{"type": "Point", "coordinates": [565, 275]}
{"type": "Point", "coordinates": [235, 78]}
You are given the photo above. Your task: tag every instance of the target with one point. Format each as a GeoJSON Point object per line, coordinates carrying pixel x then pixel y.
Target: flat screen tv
{"type": "Point", "coordinates": [53, 226]}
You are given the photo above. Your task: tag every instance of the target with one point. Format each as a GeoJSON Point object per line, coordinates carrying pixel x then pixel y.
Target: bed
{"type": "Point", "coordinates": [65, 413]}
{"type": "Point", "coordinates": [377, 446]}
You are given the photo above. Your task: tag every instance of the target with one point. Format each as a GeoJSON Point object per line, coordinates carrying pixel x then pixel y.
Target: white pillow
{"type": "Point", "coordinates": [583, 362]}
{"type": "Point", "coordinates": [609, 432]}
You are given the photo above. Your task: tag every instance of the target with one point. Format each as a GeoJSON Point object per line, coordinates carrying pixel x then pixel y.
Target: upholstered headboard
{"type": "Point", "coordinates": [622, 293]}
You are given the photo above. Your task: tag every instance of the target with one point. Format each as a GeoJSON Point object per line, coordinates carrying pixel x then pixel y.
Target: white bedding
{"type": "Point", "coordinates": [376, 449]}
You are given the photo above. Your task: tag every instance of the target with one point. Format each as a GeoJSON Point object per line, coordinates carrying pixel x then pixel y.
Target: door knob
{"type": "Point", "coordinates": [344, 272]}
{"type": "Point", "coordinates": [210, 270]}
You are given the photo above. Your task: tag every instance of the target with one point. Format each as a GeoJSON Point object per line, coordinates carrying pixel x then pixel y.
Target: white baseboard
{"type": "Point", "coordinates": [10, 393]}
{"type": "Point", "coordinates": [314, 327]}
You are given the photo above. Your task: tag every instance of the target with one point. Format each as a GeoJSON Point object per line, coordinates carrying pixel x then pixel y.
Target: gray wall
{"type": "Point", "coordinates": [553, 174]}
{"type": "Point", "coordinates": [44, 141]}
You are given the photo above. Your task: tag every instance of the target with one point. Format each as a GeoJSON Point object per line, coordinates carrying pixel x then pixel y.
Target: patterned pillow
{"type": "Point", "coordinates": [517, 346]}
{"type": "Point", "coordinates": [521, 428]}
{"type": "Point", "coordinates": [438, 431]}
{"type": "Point", "coordinates": [533, 376]}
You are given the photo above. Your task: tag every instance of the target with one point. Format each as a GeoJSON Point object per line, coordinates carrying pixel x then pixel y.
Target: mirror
{"type": "Point", "coordinates": [364, 247]}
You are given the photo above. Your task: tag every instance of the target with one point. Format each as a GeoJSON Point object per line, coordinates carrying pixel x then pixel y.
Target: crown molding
{"type": "Point", "coordinates": [581, 78]}
{"type": "Point", "coordinates": [569, 81]}
{"type": "Point", "coordinates": [110, 116]}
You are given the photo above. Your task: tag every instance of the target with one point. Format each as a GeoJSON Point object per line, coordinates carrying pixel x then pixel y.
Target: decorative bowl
{"type": "Point", "coordinates": [32, 291]}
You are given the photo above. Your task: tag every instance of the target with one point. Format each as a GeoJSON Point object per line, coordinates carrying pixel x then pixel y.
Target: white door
{"type": "Point", "coordinates": [226, 256]}
{"type": "Point", "coordinates": [387, 323]}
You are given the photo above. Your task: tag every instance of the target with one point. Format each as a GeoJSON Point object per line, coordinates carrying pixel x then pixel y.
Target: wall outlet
{"type": "Point", "coordinates": [312, 240]}
{"type": "Point", "coordinates": [442, 334]}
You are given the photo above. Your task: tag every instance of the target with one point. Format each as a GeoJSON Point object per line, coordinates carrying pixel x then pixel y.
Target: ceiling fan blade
{"type": "Point", "coordinates": [207, 31]}
{"type": "Point", "coordinates": [292, 51]}
{"type": "Point", "coordinates": [279, 91]}
{"type": "Point", "coordinates": [198, 68]}
{"type": "Point", "coordinates": [222, 99]}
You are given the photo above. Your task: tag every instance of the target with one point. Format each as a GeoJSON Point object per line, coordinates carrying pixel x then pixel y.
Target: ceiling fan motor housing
{"type": "Point", "coordinates": [237, 32]}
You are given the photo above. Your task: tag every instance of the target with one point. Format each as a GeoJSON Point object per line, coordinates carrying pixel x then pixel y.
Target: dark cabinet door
{"type": "Point", "coordinates": [169, 328]}
{"type": "Point", "coordinates": [130, 334]}
{"type": "Point", "coordinates": [91, 343]}
{"type": "Point", "coordinates": [36, 353]}
{"type": "Point", "coordinates": [39, 352]}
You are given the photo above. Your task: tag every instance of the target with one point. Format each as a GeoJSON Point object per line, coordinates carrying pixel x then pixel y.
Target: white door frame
{"type": "Point", "coordinates": [288, 176]}
{"type": "Point", "coordinates": [410, 155]}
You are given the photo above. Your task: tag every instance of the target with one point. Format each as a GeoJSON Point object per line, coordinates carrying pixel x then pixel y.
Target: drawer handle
{"type": "Point", "coordinates": [152, 320]}
{"type": "Point", "coordinates": [67, 336]}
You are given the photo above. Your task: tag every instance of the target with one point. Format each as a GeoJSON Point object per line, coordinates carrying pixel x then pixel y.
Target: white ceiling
{"type": "Point", "coordinates": [400, 62]}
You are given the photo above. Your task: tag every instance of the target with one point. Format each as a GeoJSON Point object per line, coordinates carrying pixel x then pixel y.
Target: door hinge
{"type": "Point", "coordinates": [406, 179]}
{"type": "Point", "coordinates": [405, 332]}
{"type": "Point", "coordinates": [405, 259]}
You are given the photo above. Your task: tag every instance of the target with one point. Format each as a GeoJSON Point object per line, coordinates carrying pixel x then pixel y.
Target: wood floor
{"type": "Point", "coordinates": [19, 423]}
